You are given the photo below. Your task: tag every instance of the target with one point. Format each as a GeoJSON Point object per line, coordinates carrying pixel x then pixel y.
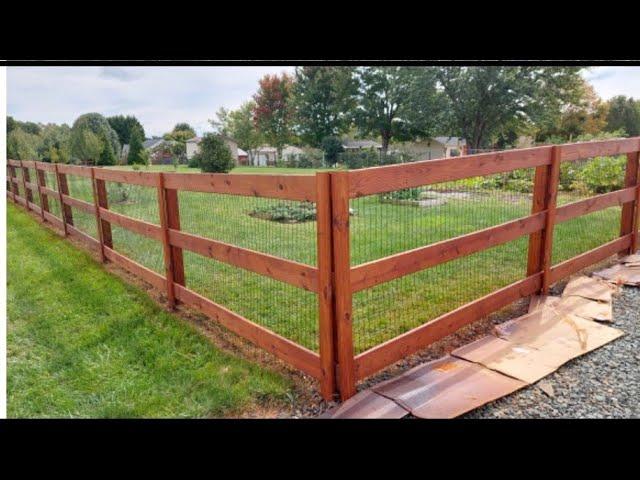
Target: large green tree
{"type": "Point", "coordinates": [482, 101]}
{"type": "Point", "coordinates": [83, 146]}
{"type": "Point", "coordinates": [238, 124]}
{"type": "Point", "coordinates": [180, 133]}
{"type": "Point", "coordinates": [55, 143]}
{"type": "Point", "coordinates": [624, 114]}
{"type": "Point", "coordinates": [22, 145]}
{"type": "Point", "coordinates": [125, 127]}
{"type": "Point", "coordinates": [397, 103]}
{"type": "Point", "coordinates": [273, 110]}
{"type": "Point", "coordinates": [324, 99]}
{"type": "Point", "coordinates": [136, 149]}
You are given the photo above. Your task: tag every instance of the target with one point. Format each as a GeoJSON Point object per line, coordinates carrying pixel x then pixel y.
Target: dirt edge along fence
{"type": "Point", "coordinates": [333, 279]}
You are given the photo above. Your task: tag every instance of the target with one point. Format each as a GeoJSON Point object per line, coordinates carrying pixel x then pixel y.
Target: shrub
{"type": "Point", "coordinates": [214, 155]}
{"type": "Point", "coordinates": [360, 158]}
{"type": "Point", "coordinates": [286, 213]}
{"type": "Point", "coordinates": [602, 175]}
{"type": "Point", "coordinates": [406, 194]}
{"type": "Point", "coordinates": [332, 147]}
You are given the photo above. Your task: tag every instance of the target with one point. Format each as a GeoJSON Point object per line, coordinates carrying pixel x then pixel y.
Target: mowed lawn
{"type": "Point", "coordinates": [378, 229]}
{"type": "Point", "coordinates": [83, 343]}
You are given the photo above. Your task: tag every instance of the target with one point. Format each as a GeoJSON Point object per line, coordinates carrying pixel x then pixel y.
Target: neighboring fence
{"type": "Point", "coordinates": [347, 253]}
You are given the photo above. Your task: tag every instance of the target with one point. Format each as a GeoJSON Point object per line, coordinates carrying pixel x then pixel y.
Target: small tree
{"type": "Point", "coordinates": [135, 150]}
{"type": "Point", "coordinates": [331, 146]}
{"type": "Point", "coordinates": [214, 155]}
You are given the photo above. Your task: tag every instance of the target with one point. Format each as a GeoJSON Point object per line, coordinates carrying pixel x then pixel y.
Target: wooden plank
{"type": "Point", "coordinates": [166, 246]}
{"type": "Point", "coordinates": [387, 353]}
{"type": "Point", "coordinates": [103, 202]}
{"type": "Point", "coordinates": [30, 186]}
{"type": "Point", "coordinates": [575, 264]}
{"type": "Point", "coordinates": [79, 204]}
{"type": "Point", "coordinates": [13, 163]}
{"type": "Point", "coordinates": [289, 187]}
{"type": "Point", "coordinates": [52, 219]}
{"type": "Point", "coordinates": [534, 252]}
{"type": "Point", "coordinates": [173, 222]}
{"type": "Point", "coordinates": [137, 226]}
{"type": "Point", "coordinates": [549, 228]}
{"type": "Point", "coordinates": [96, 211]}
{"type": "Point", "coordinates": [141, 271]}
{"type": "Point", "coordinates": [283, 348]}
{"type": "Point", "coordinates": [398, 265]}
{"type": "Point", "coordinates": [635, 234]}
{"type": "Point", "coordinates": [77, 170]}
{"type": "Point", "coordinates": [63, 189]}
{"type": "Point", "coordinates": [28, 164]}
{"type": "Point", "coordinates": [294, 273]}
{"type": "Point", "coordinates": [147, 179]}
{"type": "Point", "coordinates": [46, 191]}
{"type": "Point", "coordinates": [21, 201]}
{"type": "Point", "coordinates": [35, 208]}
{"type": "Point", "coordinates": [47, 167]}
{"type": "Point", "coordinates": [578, 151]}
{"type": "Point", "coordinates": [368, 181]}
{"type": "Point", "coordinates": [593, 204]}
{"type": "Point", "coordinates": [343, 313]}
{"type": "Point", "coordinates": [627, 221]}
{"type": "Point", "coordinates": [325, 285]}
{"type": "Point", "coordinates": [42, 183]}
{"type": "Point", "coordinates": [28, 195]}
{"type": "Point", "coordinates": [85, 238]}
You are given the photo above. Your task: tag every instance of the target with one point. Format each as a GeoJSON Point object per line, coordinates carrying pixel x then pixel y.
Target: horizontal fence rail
{"type": "Point", "coordinates": [53, 192]}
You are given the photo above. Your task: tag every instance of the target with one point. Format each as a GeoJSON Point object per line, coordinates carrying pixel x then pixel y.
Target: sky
{"type": "Point", "coordinates": [160, 97]}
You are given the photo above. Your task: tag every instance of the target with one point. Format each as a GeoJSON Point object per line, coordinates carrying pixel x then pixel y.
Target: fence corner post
{"type": "Point", "coordinates": [325, 285]}
{"type": "Point", "coordinates": [631, 210]}
{"type": "Point", "coordinates": [166, 246]}
{"type": "Point", "coordinates": [346, 374]}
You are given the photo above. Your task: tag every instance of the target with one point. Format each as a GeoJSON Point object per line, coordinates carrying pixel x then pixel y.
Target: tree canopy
{"type": "Point", "coordinates": [125, 127]}
{"type": "Point", "coordinates": [273, 109]}
{"type": "Point", "coordinates": [238, 124]}
{"type": "Point", "coordinates": [214, 155]}
{"type": "Point", "coordinates": [624, 114]}
{"type": "Point", "coordinates": [94, 141]}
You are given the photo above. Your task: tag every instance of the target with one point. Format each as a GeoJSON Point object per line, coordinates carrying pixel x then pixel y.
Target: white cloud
{"type": "Point", "coordinates": [611, 81]}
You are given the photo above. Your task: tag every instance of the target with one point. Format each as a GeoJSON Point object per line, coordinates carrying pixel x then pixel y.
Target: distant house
{"type": "Point", "coordinates": [436, 147]}
{"type": "Point", "coordinates": [159, 151]}
{"type": "Point", "coordinates": [193, 147]}
{"type": "Point", "coordinates": [289, 152]}
{"type": "Point", "coordinates": [243, 157]}
{"type": "Point", "coordinates": [264, 156]}
{"type": "Point", "coordinates": [361, 145]}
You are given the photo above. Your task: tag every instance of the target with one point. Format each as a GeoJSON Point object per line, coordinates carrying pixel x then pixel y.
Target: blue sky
{"type": "Point", "coordinates": [160, 97]}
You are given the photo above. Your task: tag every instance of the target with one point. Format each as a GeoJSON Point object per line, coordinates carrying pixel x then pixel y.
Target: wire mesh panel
{"type": "Point", "coordinates": [143, 250]}
{"type": "Point", "coordinates": [80, 188]}
{"type": "Point", "coordinates": [389, 223]}
{"type": "Point", "coordinates": [18, 172]}
{"type": "Point", "coordinates": [283, 228]}
{"type": "Point", "coordinates": [280, 307]}
{"type": "Point", "coordinates": [136, 201]}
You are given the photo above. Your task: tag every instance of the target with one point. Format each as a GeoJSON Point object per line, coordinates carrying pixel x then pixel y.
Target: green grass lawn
{"type": "Point", "coordinates": [378, 229]}
{"type": "Point", "coordinates": [83, 343]}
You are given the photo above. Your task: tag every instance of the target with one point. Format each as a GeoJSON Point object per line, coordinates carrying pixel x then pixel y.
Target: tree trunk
{"type": "Point", "coordinates": [386, 138]}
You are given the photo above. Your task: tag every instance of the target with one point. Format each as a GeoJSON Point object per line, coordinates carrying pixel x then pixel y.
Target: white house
{"type": "Point", "coordinates": [361, 144]}
{"type": "Point", "coordinates": [193, 147]}
{"type": "Point", "coordinates": [436, 147]}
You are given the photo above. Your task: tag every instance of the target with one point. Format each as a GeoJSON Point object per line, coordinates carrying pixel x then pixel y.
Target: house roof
{"type": "Point", "coordinates": [291, 149]}
{"type": "Point", "coordinates": [242, 153]}
{"type": "Point", "coordinates": [152, 142]}
{"type": "Point", "coordinates": [450, 141]}
{"type": "Point", "coordinates": [197, 139]}
{"type": "Point", "coordinates": [360, 144]}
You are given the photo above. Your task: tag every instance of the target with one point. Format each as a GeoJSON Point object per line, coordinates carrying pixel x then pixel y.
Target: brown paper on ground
{"type": "Point", "coordinates": [585, 308]}
{"type": "Point", "coordinates": [591, 288]}
{"type": "Point", "coordinates": [367, 404]}
{"type": "Point", "coordinates": [621, 274]}
{"type": "Point", "coordinates": [542, 301]}
{"type": "Point", "coordinates": [631, 259]}
{"type": "Point", "coordinates": [447, 388]}
{"type": "Point", "coordinates": [518, 361]}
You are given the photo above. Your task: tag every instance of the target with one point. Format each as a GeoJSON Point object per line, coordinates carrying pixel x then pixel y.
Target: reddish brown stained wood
{"type": "Point", "coordinates": [14, 163]}
{"type": "Point", "coordinates": [96, 211]}
{"type": "Point", "coordinates": [290, 187]}
{"type": "Point", "coordinates": [53, 220]}
{"type": "Point", "coordinates": [137, 226]}
{"type": "Point", "coordinates": [28, 164]}
{"type": "Point", "coordinates": [368, 181]}
{"type": "Point", "coordinates": [166, 247]}
{"type": "Point", "coordinates": [86, 239]}
{"type": "Point", "coordinates": [578, 151]}
{"type": "Point", "coordinates": [593, 204]}
{"type": "Point", "coordinates": [63, 189]}
{"type": "Point", "coordinates": [25, 179]}
{"type": "Point", "coordinates": [294, 273]}
{"type": "Point", "coordinates": [79, 204]}
{"type": "Point", "coordinates": [47, 167]}
{"type": "Point", "coordinates": [283, 348]}
{"type": "Point", "coordinates": [44, 200]}
{"type": "Point", "coordinates": [325, 285]}
{"type": "Point", "coordinates": [534, 253]}
{"type": "Point", "coordinates": [575, 264]}
{"type": "Point", "coordinates": [394, 266]}
{"type": "Point", "coordinates": [35, 208]}
{"type": "Point", "coordinates": [141, 271]}
{"type": "Point", "coordinates": [48, 192]}
{"type": "Point", "coordinates": [77, 170]}
{"type": "Point", "coordinates": [387, 353]}
{"type": "Point", "coordinates": [629, 210]}
{"type": "Point", "coordinates": [103, 202]}
{"type": "Point", "coordinates": [30, 186]}
{"type": "Point", "coordinates": [550, 203]}
{"type": "Point", "coordinates": [147, 179]}
{"type": "Point", "coordinates": [173, 222]}
{"type": "Point", "coordinates": [342, 284]}
{"type": "Point", "coordinates": [635, 235]}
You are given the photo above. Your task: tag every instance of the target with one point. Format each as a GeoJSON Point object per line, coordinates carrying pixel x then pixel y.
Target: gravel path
{"type": "Point", "coordinates": [602, 384]}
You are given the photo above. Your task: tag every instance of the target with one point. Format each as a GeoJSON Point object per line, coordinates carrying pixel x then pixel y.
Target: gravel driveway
{"type": "Point", "coordinates": [602, 384]}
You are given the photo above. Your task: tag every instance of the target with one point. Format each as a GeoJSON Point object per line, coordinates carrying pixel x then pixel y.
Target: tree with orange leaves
{"type": "Point", "coordinates": [273, 110]}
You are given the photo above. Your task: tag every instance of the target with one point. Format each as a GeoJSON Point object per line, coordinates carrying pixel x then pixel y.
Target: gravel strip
{"type": "Point", "coordinates": [604, 383]}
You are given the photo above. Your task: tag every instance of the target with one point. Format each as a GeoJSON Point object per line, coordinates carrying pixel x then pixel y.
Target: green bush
{"type": "Point", "coordinates": [286, 213]}
{"type": "Point", "coordinates": [214, 155]}
{"type": "Point", "coordinates": [602, 175]}
{"type": "Point", "coordinates": [354, 159]}
{"type": "Point", "coordinates": [406, 194]}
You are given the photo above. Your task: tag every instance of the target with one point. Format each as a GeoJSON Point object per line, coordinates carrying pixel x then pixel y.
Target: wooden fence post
{"type": "Point", "coordinates": [534, 262]}
{"type": "Point", "coordinates": [41, 179]}
{"type": "Point", "coordinates": [173, 223]}
{"type": "Point", "coordinates": [342, 284]}
{"type": "Point", "coordinates": [96, 204]}
{"type": "Point", "coordinates": [14, 185]}
{"type": "Point", "coordinates": [629, 219]}
{"type": "Point", "coordinates": [28, 197]}
{"type": "Point", "coordinates": [325, 285]}
{"type": "Point", "coordinates": [166, 247]}
{"type": "Point", "coordinates": [65, 210]}
{"type": "Point", "coordinates": [103, 202]}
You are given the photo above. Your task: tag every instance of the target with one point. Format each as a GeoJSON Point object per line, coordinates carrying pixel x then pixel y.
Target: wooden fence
{"type": "Point", "coordinates": [333, 279]}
